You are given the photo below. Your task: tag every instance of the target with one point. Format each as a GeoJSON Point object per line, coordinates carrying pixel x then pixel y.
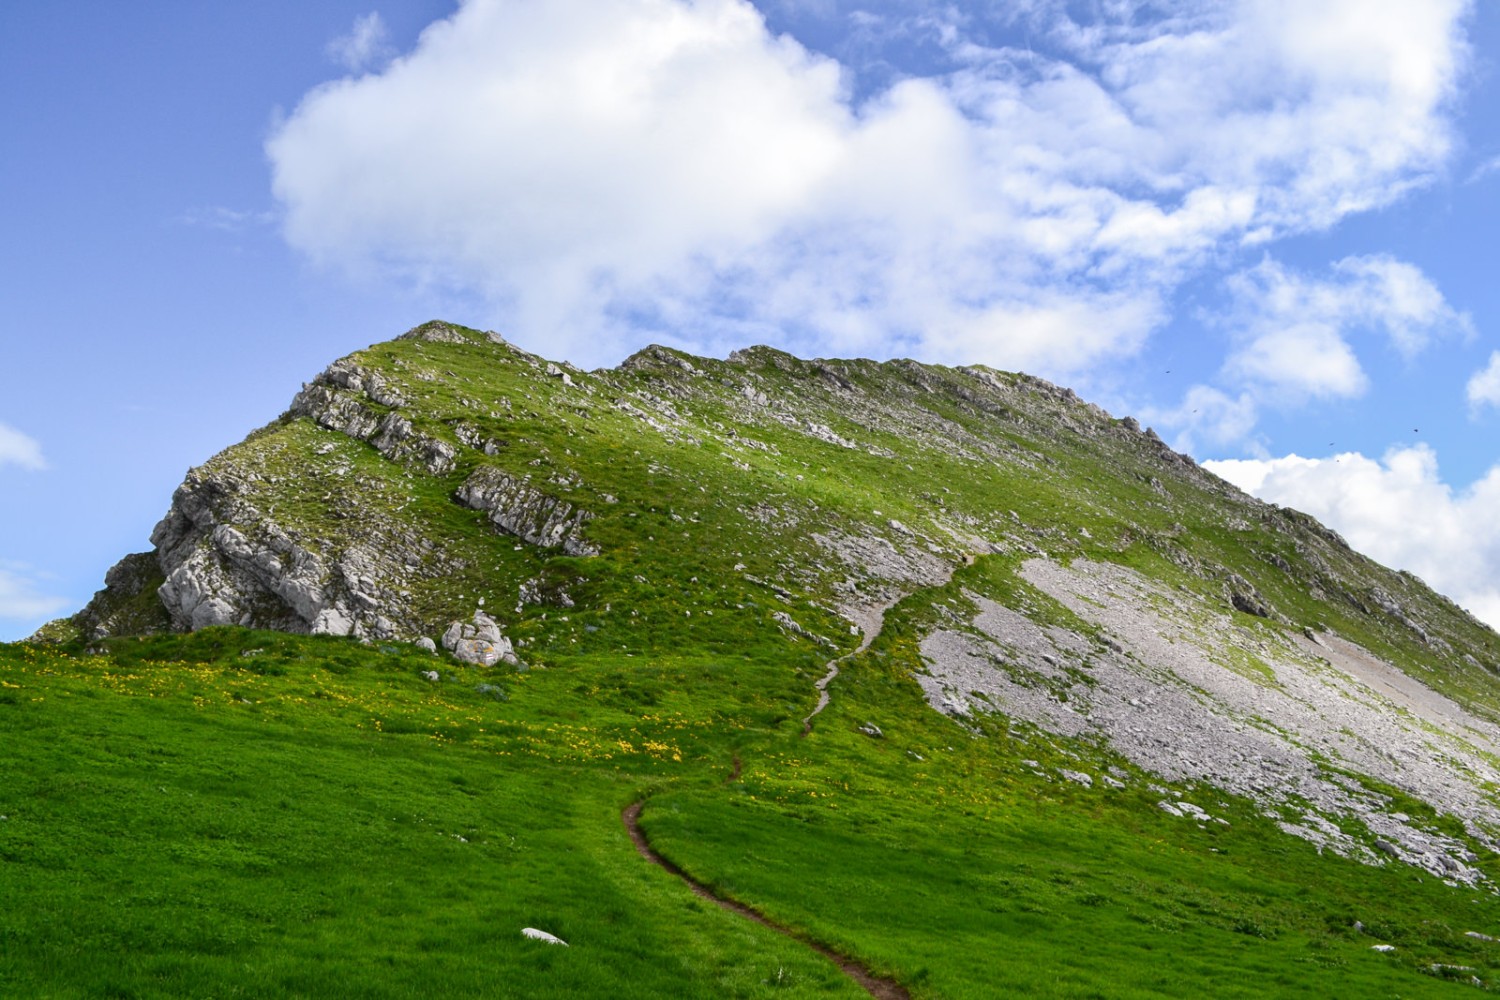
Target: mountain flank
{"type": "Point", "coordinates": [864, 552]}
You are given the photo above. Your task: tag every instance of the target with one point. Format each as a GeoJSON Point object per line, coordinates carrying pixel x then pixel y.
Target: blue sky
{"type": "Point", "coordinates": [1261, 227]}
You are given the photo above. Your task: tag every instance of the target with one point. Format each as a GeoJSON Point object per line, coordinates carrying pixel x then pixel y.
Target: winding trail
{"type": "Point", "coordinates": [870, 622]}
{"type": "Point", "coordinates": [876, 986]}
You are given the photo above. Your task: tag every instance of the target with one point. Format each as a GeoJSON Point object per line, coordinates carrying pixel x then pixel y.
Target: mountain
{"type": "Point", "coordinates": [867, 560]}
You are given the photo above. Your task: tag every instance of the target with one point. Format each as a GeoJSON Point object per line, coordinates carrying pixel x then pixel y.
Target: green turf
{"type": "Point", "coordinates": [316, 819]}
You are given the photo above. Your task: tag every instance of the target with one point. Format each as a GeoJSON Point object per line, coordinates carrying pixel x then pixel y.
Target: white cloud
{"type": "Point", "coordinates": [1397, 510]}
{"type": "Point", "coordinates": [366, 45]}
{"type": "Point", "coordinates": [1292, 329]}
{"type": "Point", "coordinates": [598, 166]}
{"type": "Point", "coordinates": [1292, 341]}
{"type": "Point", "coordinates": [19, 449]}
{"type": "Point", "coordinates": [1484, 387]}
{"type": "Point", "coordinates": [1207, 417]}
{"type": "Point", "coordinates": [22, 596]}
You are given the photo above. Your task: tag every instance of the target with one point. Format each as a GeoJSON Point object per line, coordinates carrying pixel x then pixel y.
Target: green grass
{"type": "Point", "coordinates": [316, 819]}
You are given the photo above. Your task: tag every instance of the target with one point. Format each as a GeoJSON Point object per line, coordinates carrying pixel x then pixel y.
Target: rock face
{"type": "Point", "coordinates": [339, 399]}
{"type": "Point", "coordinates": [518, 509]}
{"type": "Point", "coordinates": [479, 643]}
{"type": "Point", "coordinates": [226, 562]}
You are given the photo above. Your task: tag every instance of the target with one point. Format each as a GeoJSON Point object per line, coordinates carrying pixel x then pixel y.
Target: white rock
{"type": "Point", "coordinates": [479, 643]}
{"type": "Point", "coordinates": [537, 935]}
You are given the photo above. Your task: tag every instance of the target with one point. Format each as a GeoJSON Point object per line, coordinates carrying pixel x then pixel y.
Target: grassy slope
{"type": "Point", "coordinates": [186, 820]}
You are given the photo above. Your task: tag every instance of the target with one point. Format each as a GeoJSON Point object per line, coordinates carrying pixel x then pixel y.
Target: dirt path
{"type": "Point", "coordinates": [881, 989]}
{"type": "Point", "coordinates": [870, 621]}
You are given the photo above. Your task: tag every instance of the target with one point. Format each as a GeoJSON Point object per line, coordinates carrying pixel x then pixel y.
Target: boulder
{"type": "Point", "coordinates": [479, 643]}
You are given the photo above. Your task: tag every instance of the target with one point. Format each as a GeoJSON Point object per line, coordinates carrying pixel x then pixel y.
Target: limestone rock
{"type": "Point", "coordinates": [479, 643]}
{"type": "Point", "coordinates": [517, 508]}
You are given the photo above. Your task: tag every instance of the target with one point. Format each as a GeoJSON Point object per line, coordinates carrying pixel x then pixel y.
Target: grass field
{"type": "Point", "coordinates": [239, 813]}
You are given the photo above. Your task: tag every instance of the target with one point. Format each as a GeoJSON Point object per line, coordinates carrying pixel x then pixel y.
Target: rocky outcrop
{"type": "Point", "coordinates": [517, 508]}
{"type": "Point", "coordinates": [126, 606]}
{"type": "Point", "coordinates": [339, 400]}
{"type": "Point", "coordinates": [226, 562]}
{"type": "Point", "coordinates": [480, 643]}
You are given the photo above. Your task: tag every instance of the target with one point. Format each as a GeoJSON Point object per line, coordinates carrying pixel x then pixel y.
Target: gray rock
{"type": "Point", "coordinates": [437, 332]}
{"type": "Point", "coordinates": [537, 935]}
{"type": "Point", "coordinates": [517, 508]}
{"type": "Point", "coordinates": [479, 643]}
{"type": "Point", "coordinates": [872, 730]}
{"type": "Point", "coordinates": [426, 645]}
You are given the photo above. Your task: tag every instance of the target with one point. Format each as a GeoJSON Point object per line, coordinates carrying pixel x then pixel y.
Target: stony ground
{"type": "Point", "coordinates": [1181, 690]}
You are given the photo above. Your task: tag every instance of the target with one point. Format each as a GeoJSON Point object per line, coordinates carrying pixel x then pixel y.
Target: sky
{"type": "Point", "coordinates": [1260, 227]}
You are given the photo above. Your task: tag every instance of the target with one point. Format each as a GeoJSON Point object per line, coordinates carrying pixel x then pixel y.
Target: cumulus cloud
{"type": "Point", "coordinates": [1293, 329]}
{"type": "Point", "coordinates": [19, 449]}
{"type": "Point", "coordinates": [605, 170]}
{"type": "Point", "coordinates": [1484, 387]}
{"type": "Point", "coordinates": [366, 45]}
{"type": "Point", "coordinates": [1398, 510]}
{"type": "Point", "coordinates": [1293, 339]}
{"type": "Point", "coordinates": [22, 595]}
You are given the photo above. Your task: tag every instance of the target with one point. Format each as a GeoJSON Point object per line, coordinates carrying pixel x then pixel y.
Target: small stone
{"type": "Point", "coordinates": [872, 730]}
{"type": "Point", "coordinates": [536, 935]}
{"type": "Point", "coordinates": [430, 675]}
{"type": "Point", "coordinates": [426, 645]}
{"type": "Point", "coordinates": [1382, 947]}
